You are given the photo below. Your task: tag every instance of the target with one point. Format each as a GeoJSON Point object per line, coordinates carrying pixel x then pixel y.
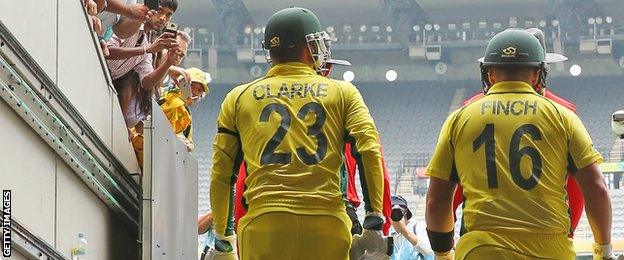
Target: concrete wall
{"type": "Point", "coordinates": [48, 197]}
{"type": "Point", "coordinates": [51, 200]}
{"type": "Point", "coordinates": [58, 36]}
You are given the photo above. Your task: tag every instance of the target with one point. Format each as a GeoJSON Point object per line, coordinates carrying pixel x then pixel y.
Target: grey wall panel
{"type": "Point", "coordinates": [27, 168]}
{"type": "Point", "coordinates": [190, 209]}
{"type": "Point", "coordinates": [174, 193]}
{"type": "Point", "coordinates": [80, 75]}
{"type": "Point", "coordinates": [79, 210]}
{"type": "Point", "coordinates": [164, 193]}
{"type": "Point", "coordinates": [33, 22]}
{"type": "Point", "coordinates": [120, 144]}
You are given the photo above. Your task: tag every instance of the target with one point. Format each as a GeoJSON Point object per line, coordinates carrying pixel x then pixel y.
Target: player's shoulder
{"type": "Point", "coordinates": [472, 99]}
{"type": "Point", "coordinates": [343, 86]}
{"type": "Point", "coordinates": [559, 100]}
{"type": "Point", "coordinates": [554, 103]}
{"type": "Point", "coordinates": [238, 90]}
{"type": "Point", "coordinates": [559, 111]}
{"type": "Point", "coordinates": [341, 83]}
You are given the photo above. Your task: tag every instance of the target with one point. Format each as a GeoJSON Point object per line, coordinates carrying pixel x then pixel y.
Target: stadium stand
{"type": "Point", "coordinates": [408, 116]}
{"type": "Point", "coordinates": [205, 129]}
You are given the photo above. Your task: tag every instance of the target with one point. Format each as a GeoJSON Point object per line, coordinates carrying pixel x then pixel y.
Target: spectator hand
{"type": "Point", "coordinates": [174, 55]}
{"type": "Point", "coordinates": [164, 41]}
{"type": "Point", "coordinates": [149, 14]}
{"type": "Point", "coordinates": [400, 226]}
{"type": "Point", "coordinates": [138, 12]}
{"type": "Point", "coordinates": [91, 7]}
{"type": "Point", "coordinates": [189, 145]}
{"type": "Point", "coordinates": [97, 25]}
{"type": "Point", "coordinates": [175, 72]}
{"type": "Point", "coordinates": [104, 47]}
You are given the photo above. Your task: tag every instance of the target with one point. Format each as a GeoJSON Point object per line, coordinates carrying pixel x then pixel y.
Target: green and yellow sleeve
{"type": "Point", "coordinates": [363, 135]}
{"type": "Point", "coordinates": [226, 159]}
{"type": "Point", "coordinates": [581, 151]}
{"type": "Point", "coordinates": [442, 164]}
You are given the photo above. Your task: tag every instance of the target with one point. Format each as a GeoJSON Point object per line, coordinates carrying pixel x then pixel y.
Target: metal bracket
{"type": "Point", "coordinates": [32, 246]}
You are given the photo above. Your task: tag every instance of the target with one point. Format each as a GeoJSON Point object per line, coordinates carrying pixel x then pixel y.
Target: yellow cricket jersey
{"type": "Point", "coordinates": [511, 151]}
{"type": "Point", "coordinates": [290, 128]}
{"type": "Point", "coordinates": [176, 112]}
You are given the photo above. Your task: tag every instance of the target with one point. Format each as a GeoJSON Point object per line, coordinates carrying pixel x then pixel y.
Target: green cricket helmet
{"type": "Point", "coordinates": [513, 48]}
{"type": "Point", "coordinates": [294, 25]}
{"type": "Point", "coordinates": [539, 34]}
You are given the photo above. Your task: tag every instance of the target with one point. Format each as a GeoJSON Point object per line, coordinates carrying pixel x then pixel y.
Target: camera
{"type": "Point", "coordinates": [397, 213]}
{"type": "Point", "coordinates": [617, 123]}
{"type": "Point", "coordinates": [172, 28]}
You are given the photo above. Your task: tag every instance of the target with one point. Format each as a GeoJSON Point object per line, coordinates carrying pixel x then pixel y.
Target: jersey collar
{"type": "Point", "coordinates": [511, 87]}
{"type": "Point", "coordinates": [290, 68]}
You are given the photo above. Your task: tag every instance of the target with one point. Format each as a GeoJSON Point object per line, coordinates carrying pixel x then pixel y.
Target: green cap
{"type": "Point", "coordinates": [514, 47]}
{"type": "Point", "coordinates": [289, 27]}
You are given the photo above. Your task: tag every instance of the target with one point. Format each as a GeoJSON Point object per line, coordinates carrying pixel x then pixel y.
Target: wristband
{"type": "Point", "coordinates": [440, 242]}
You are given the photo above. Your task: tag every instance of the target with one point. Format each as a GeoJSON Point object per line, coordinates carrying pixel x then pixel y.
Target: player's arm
{"type": "Point", "coordinates": [583, 161]}
{"type": "Point", "coordinates": [363, 136]}
{"type": "Point", "coordinates": [226, 159]}
{"type": "Point", "coordinates": [439, 212]}
{"type": "Point", "coordinates": [598, 206]}
{"type": "Point", "coordinates": [442, 184]}
{"type": "Point", "coordinates": [204, 222]}
{"type": "Point", "coordinates": [387, 202]}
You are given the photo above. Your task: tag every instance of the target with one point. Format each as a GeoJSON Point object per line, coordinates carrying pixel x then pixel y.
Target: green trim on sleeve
{"type": "Point", "coordinates": [229, 229]}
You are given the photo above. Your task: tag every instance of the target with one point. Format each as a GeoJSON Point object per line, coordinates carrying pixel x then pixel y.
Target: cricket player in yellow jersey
{"type": "Point", "coordinates": [290, 128]}
{"type": "Point", "coordinates": [511, 150]}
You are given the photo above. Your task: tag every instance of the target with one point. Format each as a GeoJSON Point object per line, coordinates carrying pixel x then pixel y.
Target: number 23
{"type": "Point", "coordinates": [269, 156]}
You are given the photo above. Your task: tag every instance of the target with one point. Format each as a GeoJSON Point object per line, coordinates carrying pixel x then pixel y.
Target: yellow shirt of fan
{"type": "Point", "coordinates": [511, 151]}
{"type": "Point", "coordinates": [290, 128]}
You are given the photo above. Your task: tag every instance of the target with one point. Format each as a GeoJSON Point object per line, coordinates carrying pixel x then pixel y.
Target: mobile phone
{"type": "Point", "coordinates": [152, 4]}
{"type": "Point", "coordinates": [185, 90]}
{"type": "Point", "coordinates": [172, 28]}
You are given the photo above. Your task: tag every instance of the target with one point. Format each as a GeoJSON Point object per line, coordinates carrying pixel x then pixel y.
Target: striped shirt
{"type": "Point", "coordinates": [141, 64]}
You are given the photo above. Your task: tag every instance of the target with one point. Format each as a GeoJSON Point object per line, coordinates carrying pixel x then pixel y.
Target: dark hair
{"type": "Point", "coordinates": [288, 54]}
{"type": "Point", "coordinates": [171, 4]}
{"type": "Point", "coordinates": [513, 73]}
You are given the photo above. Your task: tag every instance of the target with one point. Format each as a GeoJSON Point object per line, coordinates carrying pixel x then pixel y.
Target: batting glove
{"type": "Point", "coordinates": [225, 248]}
